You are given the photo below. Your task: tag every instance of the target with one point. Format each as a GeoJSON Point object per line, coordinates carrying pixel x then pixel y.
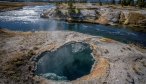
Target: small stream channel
{"type": "Point", "coordinates": [28, 19]}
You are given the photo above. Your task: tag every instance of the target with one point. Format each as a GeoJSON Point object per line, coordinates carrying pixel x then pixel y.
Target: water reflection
{"type": "Point", "coordinates": [28, 19]}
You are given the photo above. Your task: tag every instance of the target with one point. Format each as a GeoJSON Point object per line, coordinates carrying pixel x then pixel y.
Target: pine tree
{"type": "Point", "coordinates": [123, 2]}
{"type": "Point", "coordinates": [113, 2]}
{"type": "Point", "coordinates": [140, 3]}
{"type": "Point", "coordinates": [119, 2]}
{"type": "Point", "coordinates": [107, 2]}
{"type": "Point", "coordinates": [128, 2]}
{"type": "Point", "coordinates": [132, 3]}
{"type": "Point", "coordinates": [100, 3]}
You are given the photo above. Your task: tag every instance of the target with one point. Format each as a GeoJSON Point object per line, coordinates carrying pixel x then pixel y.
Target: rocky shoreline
{"type": "Point", "coordinates": [116, 63]}
{"type": "Point", "coordinates": [107, 15]}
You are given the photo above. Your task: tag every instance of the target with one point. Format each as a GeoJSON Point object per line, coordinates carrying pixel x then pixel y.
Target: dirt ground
{"type": "Point", "coordinates": [115, 62]}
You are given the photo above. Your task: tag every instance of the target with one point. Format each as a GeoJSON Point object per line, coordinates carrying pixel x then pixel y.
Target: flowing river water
{"type": "Point", "coordinates": [28, 19]}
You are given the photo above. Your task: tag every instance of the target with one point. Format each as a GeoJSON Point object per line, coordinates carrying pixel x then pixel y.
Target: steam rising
{"type": "Point", "coordinates": [69, 62]}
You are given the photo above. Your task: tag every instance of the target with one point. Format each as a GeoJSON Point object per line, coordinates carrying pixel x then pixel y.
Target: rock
{"type": "Point", "coordinates": [48, 13]}
{"type": "Point", "coordinates": [133, 18]}
{"type": "Point", "coordinates": [102, 20]}
{"type": "Point", "coordinates": [79, 15]}
{"type": "Point", "coordinates": [126, 17]}
{"type": "Point", "coordinates": [112, 15]}
{"type": "Point", "coordinates": [63, 13]}
{"type": "Point", "coordinates": [122, 18]}
{"type": "Point", "coordinates": [88, 13]}
{"type": "Point", "coordinates": [108, 15]}
{"type": "Point", "coordinates": [142, 22]}
{"type": "Point", "coordinates": [85, 15]}
{"type": "Point", "coordinates": [103, 10]}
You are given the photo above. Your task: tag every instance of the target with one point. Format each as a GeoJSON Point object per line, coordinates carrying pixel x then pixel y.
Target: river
{"type": "Point", "coordinates": [28, 19]}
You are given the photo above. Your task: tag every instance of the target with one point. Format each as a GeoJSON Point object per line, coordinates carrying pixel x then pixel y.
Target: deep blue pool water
{"type": "Point", "coordinates": [28, 19]}
{"type": "Point", "coordinates": [69, 62]}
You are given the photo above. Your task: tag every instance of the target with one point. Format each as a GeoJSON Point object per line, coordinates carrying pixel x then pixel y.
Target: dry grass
{"type": "Point", "coordinates": [4, 6]}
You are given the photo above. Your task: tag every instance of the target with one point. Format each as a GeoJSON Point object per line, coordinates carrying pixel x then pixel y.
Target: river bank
{"type": "Point", "coordinates": [133, 17]}
{"type": "Point", "coordinates": [116, 62]}
{"type": "Point", "coordinates": [29, 19]}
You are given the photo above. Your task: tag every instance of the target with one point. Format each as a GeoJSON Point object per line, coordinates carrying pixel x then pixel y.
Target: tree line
{"type": "Point", "coordinates": [139, 3]}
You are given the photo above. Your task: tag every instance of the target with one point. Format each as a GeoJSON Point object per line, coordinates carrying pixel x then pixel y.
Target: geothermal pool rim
{"type": "Point", "coordinates": [83, 44]}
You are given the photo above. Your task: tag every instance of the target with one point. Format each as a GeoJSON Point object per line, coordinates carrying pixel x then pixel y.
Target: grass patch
{"type": "Point", "coordinates": [5, 6]}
